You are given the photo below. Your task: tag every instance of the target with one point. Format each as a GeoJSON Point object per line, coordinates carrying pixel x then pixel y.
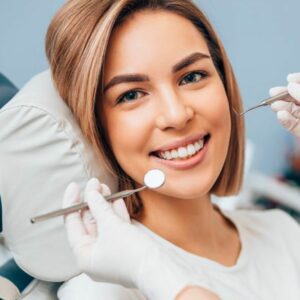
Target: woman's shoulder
{"type": "Point", "coordinates": [271, 219]}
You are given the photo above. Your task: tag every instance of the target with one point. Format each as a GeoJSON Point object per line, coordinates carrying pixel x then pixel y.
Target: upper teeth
{"type": "Point", "coordinates": [182, 152]}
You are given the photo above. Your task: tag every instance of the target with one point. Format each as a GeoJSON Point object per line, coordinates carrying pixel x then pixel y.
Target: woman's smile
{"type": "Point", "coordinates": [184, 157]}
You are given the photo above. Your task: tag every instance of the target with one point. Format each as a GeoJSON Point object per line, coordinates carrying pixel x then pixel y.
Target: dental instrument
{"type": "Point", "coordinates": [284, 96]}
{"type": "Point", "coordinates": [153, 179]}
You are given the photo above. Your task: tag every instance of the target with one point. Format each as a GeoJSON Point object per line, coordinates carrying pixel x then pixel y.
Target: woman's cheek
{"type": "Point", "coordinates": [219, 107]}
{"type": "Point", "coordinates": [128, 135]}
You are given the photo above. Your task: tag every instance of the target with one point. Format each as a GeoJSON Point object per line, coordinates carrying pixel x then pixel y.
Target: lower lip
{"type": "Point", "coordinates": [186, 163]}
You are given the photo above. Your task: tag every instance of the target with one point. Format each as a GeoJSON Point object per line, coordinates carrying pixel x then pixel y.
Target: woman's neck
{"type": "Point", "coordinates": [192, 224]}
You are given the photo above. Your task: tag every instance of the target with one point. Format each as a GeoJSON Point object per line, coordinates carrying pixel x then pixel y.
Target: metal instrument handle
{"type": "Point", "coordinates": [74, 208]}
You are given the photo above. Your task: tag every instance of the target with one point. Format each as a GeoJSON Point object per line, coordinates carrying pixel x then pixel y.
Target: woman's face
{"type": "Point", "coordinates": [164, 99]}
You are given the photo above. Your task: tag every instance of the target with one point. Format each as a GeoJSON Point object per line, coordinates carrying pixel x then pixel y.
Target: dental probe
{"type": "Point", "coordinates": [284, 96]}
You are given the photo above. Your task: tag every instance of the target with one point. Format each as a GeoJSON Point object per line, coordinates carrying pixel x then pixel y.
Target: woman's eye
{"type": "Point", "coordinates": [192, 77]}
{"type": "Point", "coordinates": [130, 96]}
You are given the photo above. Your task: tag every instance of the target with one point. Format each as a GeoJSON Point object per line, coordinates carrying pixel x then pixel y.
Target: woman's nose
{"type": "Point", "coordinates": [173, 113]}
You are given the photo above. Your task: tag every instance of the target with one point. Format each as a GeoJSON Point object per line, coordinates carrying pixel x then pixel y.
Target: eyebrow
{"type": "Point", "coordinates": [185, 62]}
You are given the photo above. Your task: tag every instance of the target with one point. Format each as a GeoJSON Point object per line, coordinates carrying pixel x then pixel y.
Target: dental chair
{"type": "Point", "coordinates": [12, 279]}
{"type": "Point", "coordinates": [42, 150]}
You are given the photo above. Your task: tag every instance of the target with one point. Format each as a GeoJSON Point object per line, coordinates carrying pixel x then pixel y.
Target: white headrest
{"type": "Point", "coordinates": [42, 150]}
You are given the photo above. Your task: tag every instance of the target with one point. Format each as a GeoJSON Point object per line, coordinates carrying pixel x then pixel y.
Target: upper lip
{"type": "Point", "coordinates": [181, 142]}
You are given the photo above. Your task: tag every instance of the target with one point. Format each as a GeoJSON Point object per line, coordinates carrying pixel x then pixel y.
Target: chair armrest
{"type": "Point", "coordinates": [41, 290]}
{"type": "Point", "coordinates": [13, 278]}
{"type": "Point", "coordinates": [8, 291]}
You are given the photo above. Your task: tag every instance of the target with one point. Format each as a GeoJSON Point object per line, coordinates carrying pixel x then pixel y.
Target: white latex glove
{"type": "Point", "coordinates": [116, 251]}
{"type": "Point", "coordinates": [288, 113]}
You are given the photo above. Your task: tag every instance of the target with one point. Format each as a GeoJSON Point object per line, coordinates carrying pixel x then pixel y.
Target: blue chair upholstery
{"type": "Point", "coordinates": [13, 273]}
{"type": "Point", "coordinates": [7, 90]}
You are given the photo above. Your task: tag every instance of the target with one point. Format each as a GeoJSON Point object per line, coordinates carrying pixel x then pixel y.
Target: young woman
{"type": "Point", "coordinates": [152, 87]}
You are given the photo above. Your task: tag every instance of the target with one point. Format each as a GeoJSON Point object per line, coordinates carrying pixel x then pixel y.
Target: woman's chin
{"type": "Point", "coordinates": [186, 192]}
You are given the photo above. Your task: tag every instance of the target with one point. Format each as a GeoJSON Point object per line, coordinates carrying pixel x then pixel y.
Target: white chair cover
{"type": "Point", "coordinates": [42, 150]}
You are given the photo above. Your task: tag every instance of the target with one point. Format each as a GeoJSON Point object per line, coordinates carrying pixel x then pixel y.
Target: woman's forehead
{"type": "Point", "coordinates": [152, 36]}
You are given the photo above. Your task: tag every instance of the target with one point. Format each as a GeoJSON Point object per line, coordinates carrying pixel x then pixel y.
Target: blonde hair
{"type": "Point", "coordinates": [76, 44]}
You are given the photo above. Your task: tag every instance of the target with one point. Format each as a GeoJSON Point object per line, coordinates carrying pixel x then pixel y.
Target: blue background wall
{"type": "Point", "coordinates": [261, 38]}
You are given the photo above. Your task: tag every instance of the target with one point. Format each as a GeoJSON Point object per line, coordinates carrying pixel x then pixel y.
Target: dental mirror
{"type": "Point", "coordinates": [153, 179]}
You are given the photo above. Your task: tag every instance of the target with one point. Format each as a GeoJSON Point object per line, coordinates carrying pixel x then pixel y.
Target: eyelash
{"type": "Point", "coordinates": [201, 73]}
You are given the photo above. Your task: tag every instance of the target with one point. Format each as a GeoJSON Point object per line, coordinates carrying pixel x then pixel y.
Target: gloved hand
{"type": "Point", "coordinates": [288, 113]}
{"type": "Point", "coordinates": [114, 250]}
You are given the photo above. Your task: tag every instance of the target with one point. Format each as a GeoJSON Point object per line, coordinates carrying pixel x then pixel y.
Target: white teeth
{"type": "Point", "coordinates": [169, 155]}
{"type": "Point", "coordinates": [199, 144]}
{"type": "Point", "coordinates": [174, 154]}
{"type": "Point", "coordinates": [182, 152]}
{"type": "Point", "coordinates": [191, 149]}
